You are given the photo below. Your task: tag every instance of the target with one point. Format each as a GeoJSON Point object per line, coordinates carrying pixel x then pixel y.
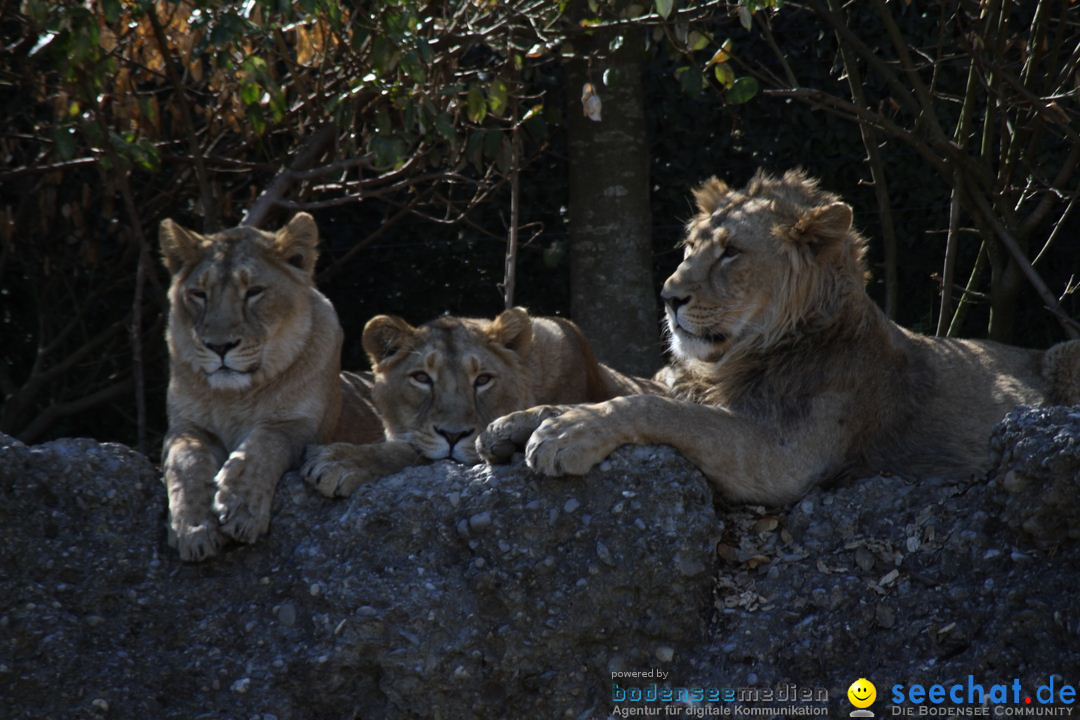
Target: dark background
{"type": "Point", "coordinates": [420, 270]}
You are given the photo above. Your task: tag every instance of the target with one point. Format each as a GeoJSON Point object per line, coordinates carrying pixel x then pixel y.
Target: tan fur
{"type": "Point", "coordinates": [254, 354]}
{"type": "Point", "coordinates": [786, 373]}
{"type": "Point", "coordinates": [438, 385]}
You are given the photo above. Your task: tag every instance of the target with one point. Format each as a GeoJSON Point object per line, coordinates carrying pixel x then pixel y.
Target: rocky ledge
{"type": "Point", "coordinates": [450, 592]}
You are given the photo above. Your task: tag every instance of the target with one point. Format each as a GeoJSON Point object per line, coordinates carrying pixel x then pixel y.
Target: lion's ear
{"type": "Point", "coordinates": [385, 336]}
{"type": "Point", "coordinates": [710, 195]}
{"type": "Point", "coordinates": [512, 329]}
{"type": "Point", "coordinates": [297, 243]}
{"type": "Point", "coordinates": [179, 246]}
{"type": "Point", "coordinates": [823, 229]}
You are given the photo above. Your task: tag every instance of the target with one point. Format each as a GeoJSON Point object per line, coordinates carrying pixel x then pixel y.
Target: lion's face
{"type": "Point", "coordinates": [757, 264]}
{"type": "Point", "coordinates": [438, 385]}
{"type": "Point", "coordinates": [240, 301]}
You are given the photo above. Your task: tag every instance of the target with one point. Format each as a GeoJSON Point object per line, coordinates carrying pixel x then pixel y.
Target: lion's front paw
{"type": "Point", "coordinates": [196, 541]}
{"type": "Point", "coordinates": [242, 503]}
{"type": "Point", "coordinates": [508, 434]}
{"type": "Point", "coordinates": [570, 444]}
{"type": "Point", "coordinates": [336, 470]}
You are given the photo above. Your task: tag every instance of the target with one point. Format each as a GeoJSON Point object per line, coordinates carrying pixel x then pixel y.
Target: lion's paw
{"type": "Point", "coordinates": [196, 541]}
{"type": "Point", "coordinates": [330, 472]}
{"type": "Point", "coordinates": [241, 504]}
{"type": "Point", "coordinates": [567, 445]}
{"type": "Point", "coordinates": [509, 434]}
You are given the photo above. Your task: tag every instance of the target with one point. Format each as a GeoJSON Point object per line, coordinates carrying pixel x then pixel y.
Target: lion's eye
{"type": "Point", "coordinates": [421, 377]}
{"type": "Point", "coordinates": [729, 254]}
{"type": "Point", "coordinates": [482, 380]}
{"type": "Point", "coordinates": [196, 295]}
{"type": "Point", "coordinates": [254, 292]}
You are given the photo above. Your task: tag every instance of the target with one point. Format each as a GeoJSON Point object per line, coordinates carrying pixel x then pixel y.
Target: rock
{"type": "Point", "coordinates": [907, 580]}
{"type": "Point", "coordinates": [1038, 455]}
{"type": "Point", "coordinates": [377, 606]}
{"type": "Point", "coordinates": [526, 596]}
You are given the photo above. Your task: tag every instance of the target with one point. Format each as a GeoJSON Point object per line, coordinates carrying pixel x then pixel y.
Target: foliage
{"type": "Point", "coordinates": [123, 112]}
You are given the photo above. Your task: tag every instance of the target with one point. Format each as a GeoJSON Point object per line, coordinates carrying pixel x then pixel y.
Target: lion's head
{"type": "Point", "coordinates": [760, 266]}
{"type": "Point", "coordinates": [438, 385]}
{"type": "Point", "coordinates": [240, 300]}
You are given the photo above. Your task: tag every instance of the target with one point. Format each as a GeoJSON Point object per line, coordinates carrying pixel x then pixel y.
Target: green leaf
{"type": "Point", "coordinates": [111, 8]}
{"type": "Point", "coordinates": [381, 51]}
{"type": "Point", "coordinates": [424, 49]}
{"type": "Point", "coordinates": [691, 82]}
{"type": "Point", "coordinates": [277, 104]}
{"type": "Point", "coordinates": [664, 7]}
{"type": "Point", "coordinates": [475, 106]}
{"type": "Point", "coordinates": [505, 157]}
{"type": "Point", "coordinates": [474, 150]}
{"type": "Point", "coordinates": [254, 65]}
{"type": "Point", "coordinates": [498, 93]}
{"type": "Point", "coordinates": [388, 151]}
{"type": "Point", "coordinates": [445, 127]}
{"type": "Point", "coordinates": [64, 140]}
{"type": "Point", "coordinates": [255, 116]}
{"type": "Point", "coordinates": [533, 112]}
{"type": "Point", "coordinates": [724, 74]}
{"type": "Point", "coordinates": [492, 144]}
{"type": "Point", "coordinates": [382, 121]}
{"type": "Point", "coordinates": [745, 17]}
{"type": "Point", "coordinates": [250, 93]}
{"type": "Point", "coordinates": [742, 90]}
{"type": "Point", "coordinates": [413, 68]}
{"type": "Point", "coordinates": [697, 41]}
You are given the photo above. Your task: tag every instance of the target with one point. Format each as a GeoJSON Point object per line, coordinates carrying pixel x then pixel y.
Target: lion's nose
{"type": "Point", "coordinates": [222, 349]}
{"type": "Point", "coordinates": [674, 301]}
{"type": "Point", "coordinates": [453, 436]}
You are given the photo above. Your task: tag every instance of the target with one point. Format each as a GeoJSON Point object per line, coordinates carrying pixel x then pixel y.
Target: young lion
{"type": "Point", "coordinates": [785, 371]}
{"type": "Point", "coordinates": [437, 385]}
{"type": "Point", "coordinates": [254, 353]}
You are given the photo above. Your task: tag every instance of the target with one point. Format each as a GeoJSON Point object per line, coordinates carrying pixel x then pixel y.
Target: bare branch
{"type": "Point", "coordinates": [54, 412]}
{"type": "Point", "coordinates": [1010, 243]}
{"type": "Point", "coordinates": [308, 155]}
{"type": "Point", "coordinates": [210, 210]}
{"type": "Point", "coordinates": [510, 271]}
{"type": "Point", "coordinates": [1057, 228]}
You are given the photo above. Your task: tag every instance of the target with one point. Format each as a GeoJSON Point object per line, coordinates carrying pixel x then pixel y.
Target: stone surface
{"type": "Point", "coordinates": [447, 592]}
{"type": "Point", "coordinates": [1039, 469]}
{"type": "Point", "coordinates": [441, 592]}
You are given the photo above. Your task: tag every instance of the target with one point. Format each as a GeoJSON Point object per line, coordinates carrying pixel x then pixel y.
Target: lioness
{"type": "Point", "coordinates": [254, 358]}
{"type": "Point", "coordinates": [785, 372]}
{"type": "Point", "coordinates": [439, 384]}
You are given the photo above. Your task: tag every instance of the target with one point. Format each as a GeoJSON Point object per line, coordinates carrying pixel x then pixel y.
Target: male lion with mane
{"type": "Point", "coordinates": [436, 386]}
{"type": "Point", "coordinates": [785, 372]}
{"type": "Point", "coordinates": [254, 361]}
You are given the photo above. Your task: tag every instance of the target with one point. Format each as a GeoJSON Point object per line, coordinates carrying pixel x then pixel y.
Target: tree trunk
{"type": "Point", "coordinates": [1006, 282]}
{"type": "Point", "coordinates": [612, 294]}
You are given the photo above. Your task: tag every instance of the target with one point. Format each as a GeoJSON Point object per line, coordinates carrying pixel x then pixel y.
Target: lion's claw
{"type": "Point", "coordinates": [241, 504]}
{"type": "Point", "coordinates": [567, 445]}
{"type": "Point", "coordinates": [330, 476]}
{"type": "Point", "coordinates": [510, 433]}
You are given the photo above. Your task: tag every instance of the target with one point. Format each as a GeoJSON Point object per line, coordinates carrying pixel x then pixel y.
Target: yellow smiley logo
{"type": "Point", "coordinates": [862, 693]}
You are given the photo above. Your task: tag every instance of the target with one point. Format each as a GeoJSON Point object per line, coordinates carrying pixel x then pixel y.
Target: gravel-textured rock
{"type": "Point", "coordinates": [908, 580]}
{"type": "Point", "coordinates": [1039, 470]}
{"type": "Point", "coordinates": [441, 592]}
{"type": "Point", "coordinates": [447, 592]}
